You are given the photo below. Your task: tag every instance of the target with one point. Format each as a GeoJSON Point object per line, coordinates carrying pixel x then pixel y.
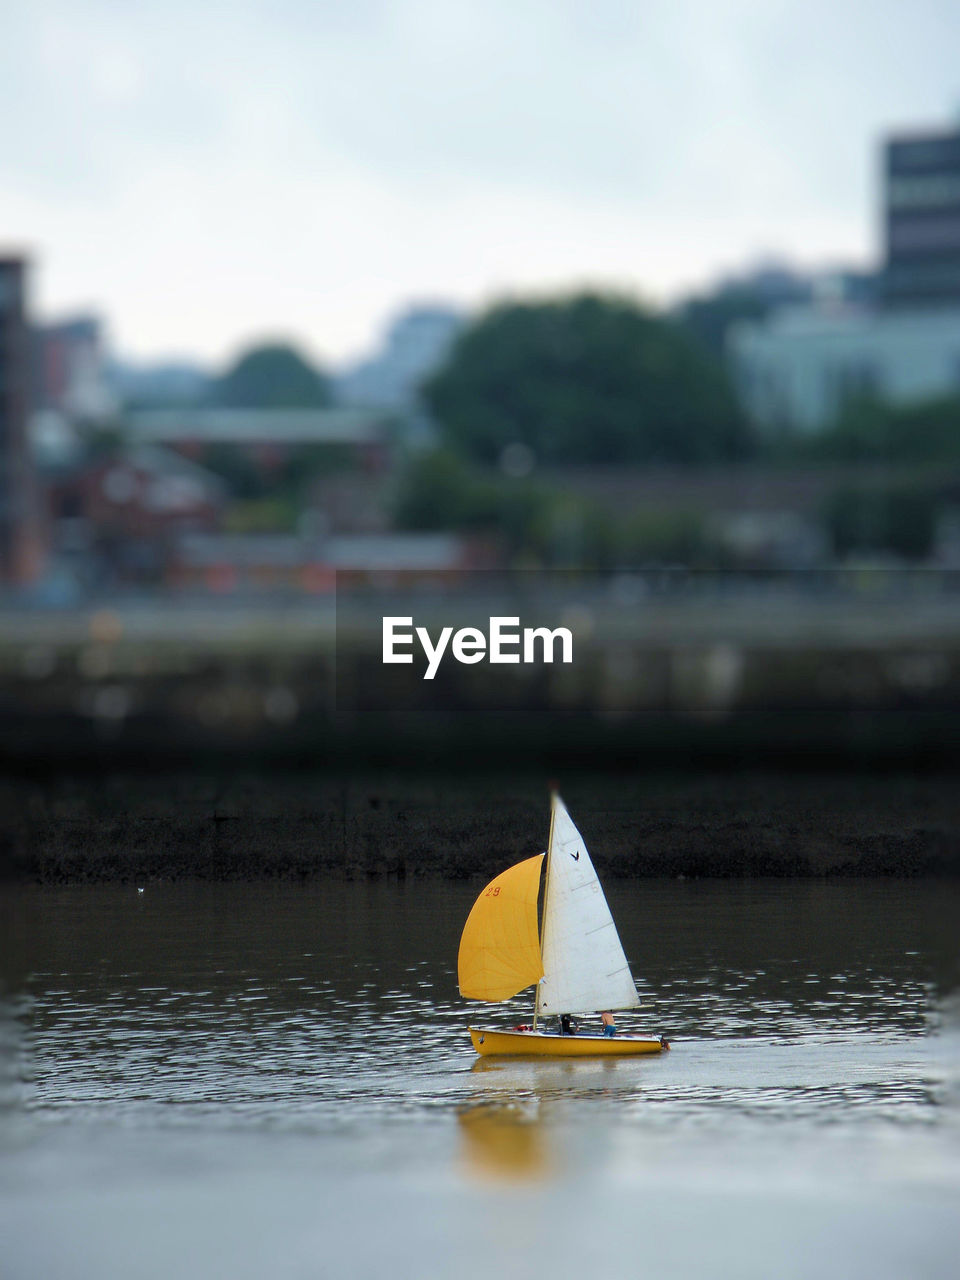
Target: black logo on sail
{"type": "Point", "coordinates": [576, 856]}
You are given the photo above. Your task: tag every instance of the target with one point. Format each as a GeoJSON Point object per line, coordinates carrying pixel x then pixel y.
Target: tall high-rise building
{"type": "Point", "coordinates": [922, 219]}
{"type": "Point", "coordinates": [19, 541]}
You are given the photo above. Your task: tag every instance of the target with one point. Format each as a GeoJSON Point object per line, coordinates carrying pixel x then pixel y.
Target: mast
{"type": "Point", "coordinates": [546, 889]}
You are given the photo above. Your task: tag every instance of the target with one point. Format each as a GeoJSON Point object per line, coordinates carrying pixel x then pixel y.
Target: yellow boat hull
{"type": "Point", "coordinates": [543, 1044]}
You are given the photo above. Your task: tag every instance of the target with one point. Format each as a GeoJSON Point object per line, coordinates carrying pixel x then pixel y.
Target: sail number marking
{"type": "Point", "coordinates": [493, 891]}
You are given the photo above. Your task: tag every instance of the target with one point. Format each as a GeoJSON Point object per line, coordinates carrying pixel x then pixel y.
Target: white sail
{"type": "Point", "coordinates": [584, 967]}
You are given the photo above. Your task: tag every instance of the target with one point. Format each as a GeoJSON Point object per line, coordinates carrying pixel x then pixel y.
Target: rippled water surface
{"type": "Point", "coordinates": [276, 1080]}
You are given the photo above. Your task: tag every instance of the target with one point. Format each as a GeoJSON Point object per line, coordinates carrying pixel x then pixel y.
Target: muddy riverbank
{"type": "Point", "coordinates": [140, 827]}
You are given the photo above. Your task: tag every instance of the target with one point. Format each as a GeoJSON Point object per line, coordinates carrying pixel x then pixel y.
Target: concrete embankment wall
{"type": "Point", "coordinates": [141, 827]}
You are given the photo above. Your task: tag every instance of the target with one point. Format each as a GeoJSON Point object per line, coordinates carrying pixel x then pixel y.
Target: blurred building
{"type": "Point", "coordinates": [354, 502]}
{"type": "Point", "coordinates": [797, 369]}
{"type": "Point", "coordinates": [116, 519]}
{"type": "Point", "coordinates": [416, 345]}
{"type": "Point", "coordinates": [267, 434]}
{"type": "Point", "coordinates": [244, 563]}
{"type": "Point", "coordinates": [755, 293]}
{"type": "Point", "coordinates": [171, 382]}
{"type": "Point", "coordinates": [21, 549]}
{"type": "Point", "coordinates": [773, 285]}
{"type": "Point", "coordinates": [70, 371]}
{"type": "Point", "coordinates": [757, 516]}
{"type": "Point", "coordinates": [799, 366]}
{"type": "Point", "coordinates": [922, 219]}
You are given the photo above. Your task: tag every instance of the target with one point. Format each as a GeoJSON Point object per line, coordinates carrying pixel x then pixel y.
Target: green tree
{"type": "Point", "coordinates": [439, 491]}
{"type": "Point", "coordinates": [272, 377]}
{"type": "Point", "coordinates": [551, 525]}
{"type": "Point", "coordinates": [591, 379]}
{"type": "Point", "coordinates": [869, 430]}
{"type": "Point", "coordinates": [235, 465]}
{"type": "Point", "coordinates": [709, 317]}
{"type": "Point", "coordinates": [902, 520]}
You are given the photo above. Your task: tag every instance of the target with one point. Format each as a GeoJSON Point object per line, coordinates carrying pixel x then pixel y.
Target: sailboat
{"type": "Point", "coordinates": [576, 960]}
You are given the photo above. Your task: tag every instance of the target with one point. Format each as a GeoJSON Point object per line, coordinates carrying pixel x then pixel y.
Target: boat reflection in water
{"type": "Point", "coordinates": [506, 1141]}
{"type": "Point", "coordinates": [525, 1122]}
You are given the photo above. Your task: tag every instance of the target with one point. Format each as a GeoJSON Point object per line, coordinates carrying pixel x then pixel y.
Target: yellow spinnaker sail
{"type": "Point", "coordinates": [500, 947]}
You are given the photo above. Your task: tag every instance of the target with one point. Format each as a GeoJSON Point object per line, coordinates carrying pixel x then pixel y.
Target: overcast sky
{"type": "Point", "coordinates": [202, 173]}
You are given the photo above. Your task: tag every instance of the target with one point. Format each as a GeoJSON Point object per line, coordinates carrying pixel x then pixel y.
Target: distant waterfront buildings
{"type": "Point", "coordinates": [773, 284]}
{"type": "Point", "coordinates": [797, 368]}
{"type": "Point", "coordinates": [225, 563]}
{"type": "Point", "coordinates": [269, 436]}
{"type": "Point", "coordinates": [416, 345]}
{"type": "Point", "coordinates": [69, 370]}
{"type": "Point", "coordinates": [922, 219]}
{"type": "Point", "coordinates": [116, 517]}
{"type": "Point", "coordinates": [20, 544]}
{"type": "Point", "coordinates": [170, 382]}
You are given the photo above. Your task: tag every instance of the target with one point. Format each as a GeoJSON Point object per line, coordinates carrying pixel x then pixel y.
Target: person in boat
{"type": "Point", "coordinates": [567, 1025]}
{"type": "Point", "coordinates": [609, 1023]}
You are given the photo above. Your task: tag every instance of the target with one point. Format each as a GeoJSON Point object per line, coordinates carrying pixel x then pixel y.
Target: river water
{"type": "Point", "coordinates": [276, 1080]}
